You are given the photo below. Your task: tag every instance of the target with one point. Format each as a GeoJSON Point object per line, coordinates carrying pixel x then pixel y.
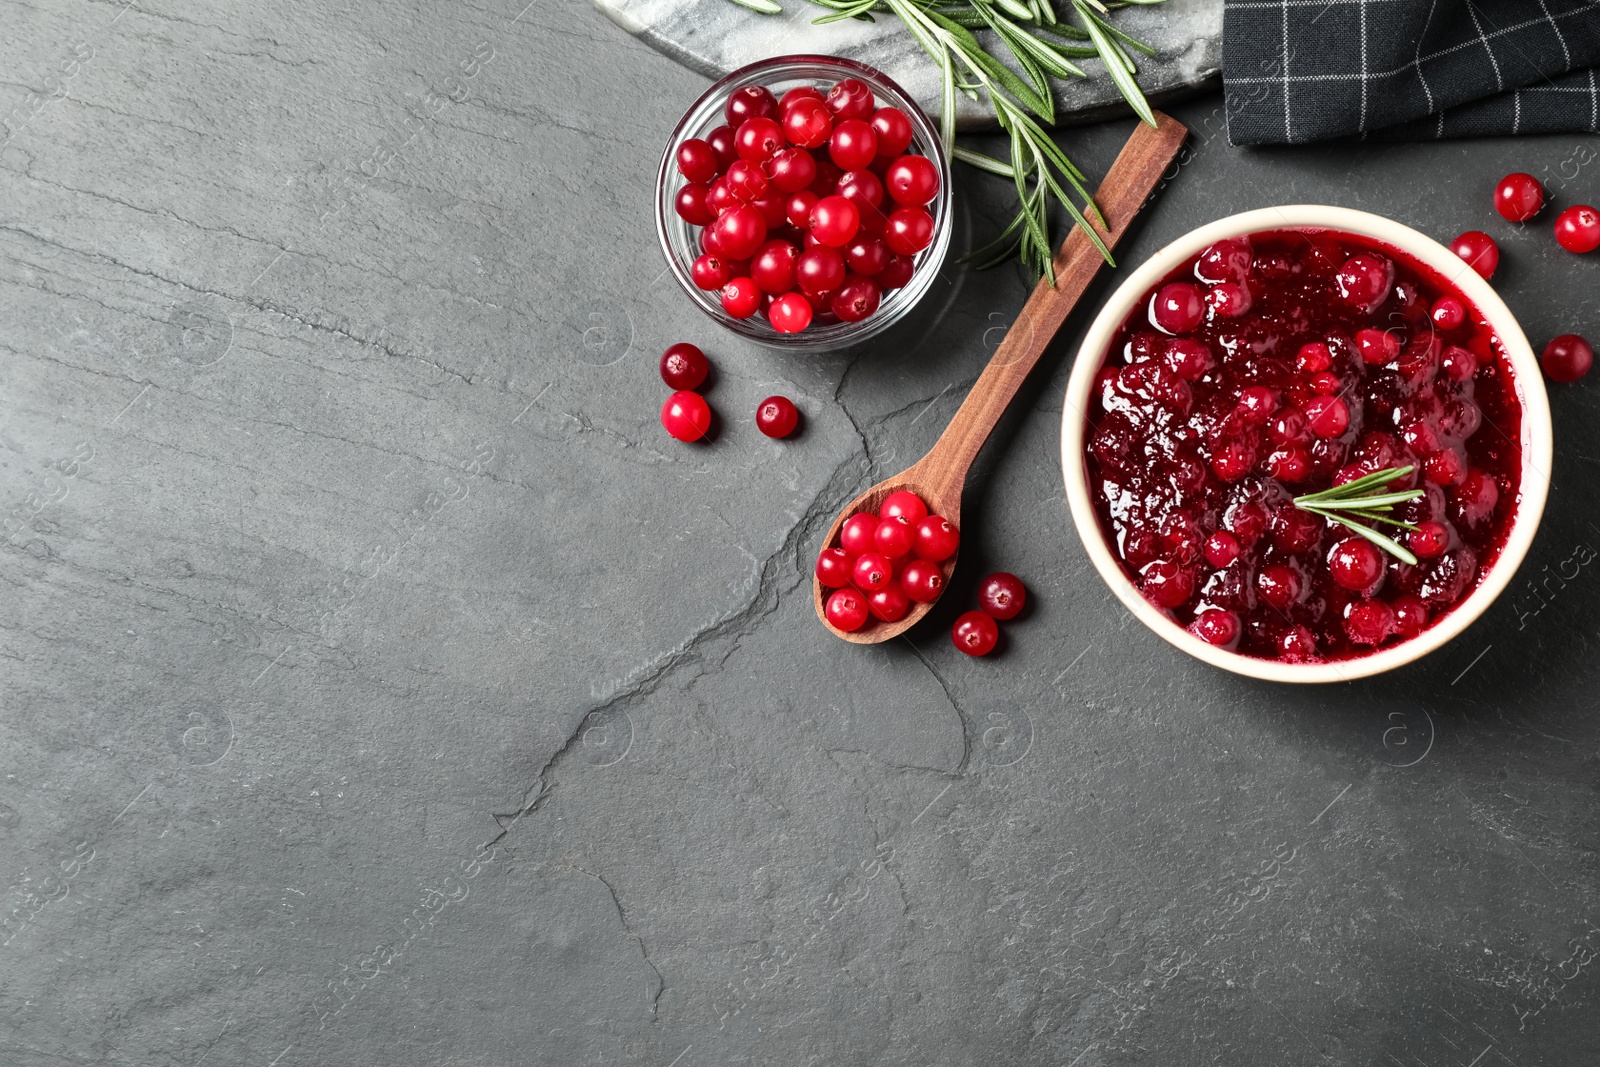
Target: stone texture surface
{"type": "Point", "coordinates": [382, 686]}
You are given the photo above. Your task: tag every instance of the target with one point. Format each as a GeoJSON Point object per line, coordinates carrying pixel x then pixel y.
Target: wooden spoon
{"type": "Point", "coordinates": [939, 476]}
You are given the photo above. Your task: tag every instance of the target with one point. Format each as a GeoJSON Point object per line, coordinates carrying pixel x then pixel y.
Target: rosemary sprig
{"type": "Point", "coordinates": [1023, 102]}
{"type": "Point", "coordinates": [1365, 498]}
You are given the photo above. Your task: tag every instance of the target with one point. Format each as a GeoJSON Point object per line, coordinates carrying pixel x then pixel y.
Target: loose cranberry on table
{"type": "Point", "coordinates": [1352, 360]}
{"type": "Point", "coordinates": [684, 366]}
{"type": "Point", "coordinates": [975, 634]}
{"type": "Point", "coordinates": [686, 415]}
{"type": "Point", "coordinates": [1518, 197]}
{"type": "Point", "coordinates": [1567, 358]}
{"type": "Point", "coordinates": [1578, 229]}
{"type": "Point", "coordinates": [1479, 250]}
{"type": "Point", "coordinates": [776, 416]}
{"type": "Point", "coordinates": [1002, 596]}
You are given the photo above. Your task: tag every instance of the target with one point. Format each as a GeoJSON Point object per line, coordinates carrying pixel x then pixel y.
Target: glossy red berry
{"type": "Point", "coordinates": [889, 603]}
{"type": "Point", "coordinates": [790, 313]}
{"type": "Point", "coordinates": [1256, 404]}
{"type": "Point", "coordinates": [777, 417]}
{"type": "Point", "coordinates": [748, 102]}
{"type": "Point", "coordinates": [1177, 308]}
{"type": "Point", "coordinates": [912, 180]}
{"type": "Point", "coordinates": [851, 99]}
{"type": "Point", "coordinates": [893, 538]}
{"type": "Point", "coordinates": [1002, 595]}
{"type": "Point", "coordinates": [897, 275]}
{"type": "Point", "coordinates": [909, 231]}
{"type": "Point", "coordinates": [855, 535]}
{"type": "Point", "coordinates": [1369, 622]}
{"type": "Point", "coordinates": [1410, 615]}
{"type": "Point", "coordinates": [808, 123]}
{"type": "Point", "coordinates": [833, 567]}
{"type": "Point", "coordinates": [1217, 627]}
{"type": "Point", "coordinates": [894, 131]}
{"type": "Point", "coordinates": [1221, 549]}
{"type": "Point", "coordinates": [975, 633]}
{"type": "Point", "coordinates": [741, 298]}
{"type": "Point", "coordinates": [1518, 197]}
{"type": "Point", "coordinates": [1479, 251]}
{"type": "Point", "coordinates": [1166, 583]}
{"type": "Point", "coordinates": [847, 610]}
{"type": "Point", "coordinates": [798, 93]}
{"type": "Point", "coordinates": [1578, 229]}
{"type": "Point", "coordinates": [721, 141]}
{"type": "Point", "coordinates": [691, 204]}
{"type": "Point", "coordinates": [1355, 564]}
{"type": "Point", "coordinates": [1279, 584]}
{"type": "Point", "coordinates": [1313, 357]}
{"type": "Point", "coordinates": [1364, 280]}
{"type": "Point", "coordinates": [710, 272]}
{"type": "Point", "coordinates": [684, 366]}
{"type": "Point", "coordinates": [792, 169]}
{"type": "Point", "coordinates": [758, 140]}
{"type": "Point", "coordinates": [773, 267]}
{"type": "Point", "coordinates": [740, 232]}
{"type": "Point", "coordinates": [686, 415]}
{"type": "Point", "coordinates": [819, 271]}
{"type": "Point", "coordinates": [834, 221]}
{"type": "Point", "coordinates": [862, 188]}
{"type": "Point", "coordinates": [871, 572]}
{"type": "Point", "coordinates": [1567, 358]}
{"type": "Point", "coordinates": [1377, 346]}
{"type": "Point", "coordinates": [903, 505]}
{"type": "Point", "coordinates": [719, 197]}
{"type": "Point", "coordinates": [866, 256]}
{"type": "Point", "coordinates": [922, 580]}
{"type": "Point", "coordinates": [852, 145]}
{"type": "Point", "coordinates": [1328, 416]}
{"type": "Point", "coordinates": [697, 162]}
{"type": "Point", "coordinates": [855, 299]}
{"type": "Point", "coordinates": [937, 540]}
{"type": "Point", "coordinates": [1447, 313]}
{"type": "Point", "coordinates": [746, 180]}
{"type": "Point", "coordinates": [798, 208]}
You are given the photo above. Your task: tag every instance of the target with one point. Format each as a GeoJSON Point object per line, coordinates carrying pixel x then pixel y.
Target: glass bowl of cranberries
{"type": "Point", "coordinates": [1306, 444]}
{"type": "Point", "coordinates": [804, 202]}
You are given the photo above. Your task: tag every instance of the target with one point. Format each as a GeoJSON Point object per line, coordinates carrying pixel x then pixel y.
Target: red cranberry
{"type": "Point", "coordinates": [798, 208]}
{"type": "Point", "coordinates": [1228, 300]}
{"type": "Point", "coordinates": [776, 416]}
{"type": "Point", "coordinates": [1222, 548]}
{"type": "Point", "coordinates": [1294, 530]}
{"type": "Point", "coordinates": [1177, 308]}
{"type": "Point", "coordinates": [922, 580]}
{"type": "Point", "coordinates": [1369, 622]}
{"type": "Point", "coordinates": [856, 299]}
{"type": "Point", "coordinates": [1233, 460]}
{"type": "Point", "coordinates": [1328, 416]}
{"type": "Point", "coordinates": [1480, 251]}
{"type": "Point", "coordinates": [1365, 280]}
{"type": "Point", "coordinates": [1217, 627]}
{"type": "Point", "coordinates": [834, 221]}
{"type": "Point", "coordinates": [897, 274]}
{"type": "Point", "coordinates": [1313, 357]}
{"type": "Point", "coordinates": [691, 204]}
{"type": "Point", "coordinates": [1166, 583]}
{"type": "Point", "coordinates": [758, 140]}
{"type": "Point", "coordinates": [909, 230]}
{"type": "Point", "coordinates": [1475, 498]}
{"type": "Point", "coordinates": [1410, 615]}
{"type": "Point", "coordinates": [1567, 358]}
{"type": "Point", "coordinates": [833, 567]}
{"type": "Point", "coordinates": [1291, 464]}
{"type": "Point", "coordinates": [792, 170]}
{"type": "Point", "coordinates": [684, 366]}
{"type": "Point", "coordinates": [847, 610]}
{"type": "Point", "coordinates": [1326, 383]}
{"type": "Point", "coordinates": [889, 603]}
{"type": "Point", "coordinates": [1297, 645]}
{"type": "Point", "coordinates": [1578, 229]}
{"type": "Point", "coordinates": [851, 99]}
{"type": "Point", "coordinates": [741, 298]}
{"type": "Point", "coordinates": [740, 232]}
{"type": "Point", "coordinates": [1355, 564]}
{"type": "Point", "coordinates": [686, 415]}
{"type": "Point", "coordinates": [1448, 313]}
{"type": "Point", "coordinates": [856, 535]}
{"type": "Point", "coordinates": [1445, 467]}
{"type": "Point", "coordinates": [1256, 404]}
{"type": "Point", "coordinates": [696, 161]}
{"type": "Point", "coordinates": [862, 188]}
{"type": "Point", "coordinates": [1518, 197]}
{"type": "Point", "coordinates": [853, 145]}
{"type": "Point", "coordinates": [936, 539]}
{"type": "Point", "coordinates": [975, 633]}
{"type": "Point", "coordinates": [1002, 596]}
{"type": "Point", "coordinates": [903, 506]}
{"type": "Point", "coordinates": [773, 267]}
{"type": "Point", "coordinates": [912, 180]}
{"type": "Point", "coordinates": [893, 538]}
{"type": "Point", "coordinates": [1280, 585]}
{"type": "Point", "coordinates": [1377, 346]}
{"type": "Point", "coordinates": [866, 256]}
{"type": "Point", "coordinates": [748, 102]}
{"type": "Point", "coordinates": [1248, 522]}
{"type": "Point", "coordinates": [894, 131]}
{"type": "Point", "coordinates": [871, 572]}
{"type": "Point", "coordinates": [722, 143]}
{"type": "Point", "coordinates": [790, 313]}
{"type": "Point", "coordinates": [746, 180]}
{"type": "Point", "coordinates": [795, 95]}
{"type": "Point", "coordinates": [1458, 364]}
{"type": "Point", "coordinates": [1429, 539]}
{"type": "Point", "coordinates": [1290, 427]}
{"type": "Point", "coordinates": [819, 271]}
{"type": "Point", "coordinates": [710, 272]}
{"type": "Point", "coordinates": [1225, 261]}
{"type": "Point", "coordinates": [808, 123]}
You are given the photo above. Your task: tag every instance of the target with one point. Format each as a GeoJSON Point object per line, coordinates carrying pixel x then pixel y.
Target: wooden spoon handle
{"type": "Point", "coordinates": [1129, 183]}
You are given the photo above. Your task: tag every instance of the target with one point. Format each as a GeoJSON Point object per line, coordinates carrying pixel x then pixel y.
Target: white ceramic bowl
{"type": "Point", "coordinates": [1528, 384]}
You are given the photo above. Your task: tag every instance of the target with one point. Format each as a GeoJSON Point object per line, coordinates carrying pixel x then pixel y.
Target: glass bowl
{"type": "Point", "coordinates": [679, 240]}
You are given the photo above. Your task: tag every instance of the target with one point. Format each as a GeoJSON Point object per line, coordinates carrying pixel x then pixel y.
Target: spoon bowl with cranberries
{"type": "Point", "coordinates": [1306, 444]}
{"type": "Point", "coordinates": [803, 202]}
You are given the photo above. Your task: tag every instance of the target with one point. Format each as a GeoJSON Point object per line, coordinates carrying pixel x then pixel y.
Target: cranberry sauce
{"type": "Point", "coordinates": [1282, 364]}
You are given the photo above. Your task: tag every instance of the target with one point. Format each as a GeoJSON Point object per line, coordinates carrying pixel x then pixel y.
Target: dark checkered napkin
{"type": "Point", "coordinates": [1309, 70]}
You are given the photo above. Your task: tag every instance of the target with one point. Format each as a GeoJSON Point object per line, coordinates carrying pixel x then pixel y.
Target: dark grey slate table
{"type": "Point", "coordinates": [382, 686]}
